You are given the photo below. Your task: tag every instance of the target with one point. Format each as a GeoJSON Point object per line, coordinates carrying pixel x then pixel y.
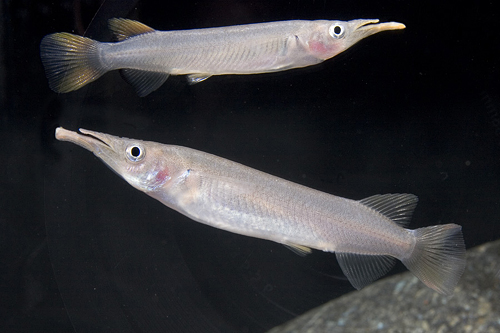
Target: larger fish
{"type": "Point", "coordinates": [365, 235]}
{"type": "Point", "coordinates": [147, 57]}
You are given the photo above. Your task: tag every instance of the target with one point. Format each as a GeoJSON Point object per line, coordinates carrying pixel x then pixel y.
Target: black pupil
{"type": "Point", "coordinates": [337, 30]}
{"type": "Point", "coordinates": [135, 151]}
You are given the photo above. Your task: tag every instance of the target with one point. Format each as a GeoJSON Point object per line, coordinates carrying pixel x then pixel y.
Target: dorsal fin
{"type": "Point", "coordinates": [125, 28]}
{"type": "Point", "coordinates": [397, 207]}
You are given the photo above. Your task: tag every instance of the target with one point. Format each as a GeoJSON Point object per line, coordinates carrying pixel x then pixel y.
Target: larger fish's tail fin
{"type": "Point", "coordinates": [70, 61]}
{"type": "Point", "coordinates": [438, 258]}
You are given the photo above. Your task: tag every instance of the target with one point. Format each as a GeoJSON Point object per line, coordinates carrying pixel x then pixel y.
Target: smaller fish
{"type": "Point", "coordinates": [367, 236]}
{"type": "Point", "coordinates": [146, 57]}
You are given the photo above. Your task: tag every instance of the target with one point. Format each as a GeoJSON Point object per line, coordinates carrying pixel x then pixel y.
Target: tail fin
{"type": "Point", "coordinates": [70, 61]}
{"type": "Point", "coordinates": [438, 258]}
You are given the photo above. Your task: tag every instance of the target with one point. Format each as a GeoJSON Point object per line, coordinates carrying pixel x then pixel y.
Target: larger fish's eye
{"type": "Point", "coordinates": [336, 30]}
{"type": "Point", "coordinates": [135, 153]}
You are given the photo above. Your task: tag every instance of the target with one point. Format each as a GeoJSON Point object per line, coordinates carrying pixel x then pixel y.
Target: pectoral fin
{"type": "Point", "coordinates": [298, 249]}
{"type": "Point", "coordinates": [362, 270]}
{"type": "Point", "coordinates": [197, 78]}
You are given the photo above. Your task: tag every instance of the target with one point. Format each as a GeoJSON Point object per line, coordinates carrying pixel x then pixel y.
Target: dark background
{"type": "Point", "coordinates": [414, 111]}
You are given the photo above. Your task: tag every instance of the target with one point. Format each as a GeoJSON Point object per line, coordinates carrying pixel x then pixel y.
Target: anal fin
{"type": "Point", "coordinates": [144, 82]}
{"type": "Point", "coordinates": [361, 269]}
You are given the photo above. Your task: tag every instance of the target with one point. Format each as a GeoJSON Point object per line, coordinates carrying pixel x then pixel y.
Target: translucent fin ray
{"type": "Point", "coordinates": [125, 28]}
{"type": "Point", "coordinates": [70, 61]}
{"type": "Point", "coordinates": [397, 207]}
{"type": "Point", "coordinates": [298, 249]}
{"type": "Point", "coordinates": [438, 258]}
{"type": "Point", "coordinates": [144, 82]}
{"type": "Point", "coordinates": [197, 78]}
{"type": "Point", "coordinates": [362, 270]}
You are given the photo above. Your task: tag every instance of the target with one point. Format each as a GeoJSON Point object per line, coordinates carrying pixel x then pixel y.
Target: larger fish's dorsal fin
{"type": "Point", "coordinates": [361, 269]}
{"type": "Point", "coordinates": [398, 207]}
{"type": "Point", "coordinates": [125, 28]}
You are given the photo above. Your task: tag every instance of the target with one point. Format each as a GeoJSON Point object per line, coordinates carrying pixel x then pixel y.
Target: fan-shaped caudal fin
{"type": "Point", "coordinates": [438, 258]}
{"type": "Point", "coordinates": [70, 61]}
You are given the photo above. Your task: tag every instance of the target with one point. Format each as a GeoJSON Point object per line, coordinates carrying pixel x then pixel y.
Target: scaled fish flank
{"type": "Point", "coordinates": [146, 57]}
{"type": "Point", "coordinates": [366, 235]}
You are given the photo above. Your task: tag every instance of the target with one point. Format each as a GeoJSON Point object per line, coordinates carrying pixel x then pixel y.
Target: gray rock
{"type": "Point", "coordinates": [401, 303]}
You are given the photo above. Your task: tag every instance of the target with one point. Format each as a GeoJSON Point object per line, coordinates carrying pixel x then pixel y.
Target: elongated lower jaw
{"type": "Point", "coordinates": [371, 27]}
{"type": "Point", "coordinates": [74, 137]}
{"type": "Point", "coordinates": [86, 140]}
{"type": "Point", "coordinates": [62, 134]}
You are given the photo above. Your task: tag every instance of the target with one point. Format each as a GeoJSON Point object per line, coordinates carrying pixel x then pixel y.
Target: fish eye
{"type": "Point", "coordinates": [336, 30]}
{"type": "Point", "coordinates": [135, 153]}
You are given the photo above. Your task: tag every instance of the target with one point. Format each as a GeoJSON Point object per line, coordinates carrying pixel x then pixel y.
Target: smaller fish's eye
{"type": "Point", "coordinates": [135, 153]}
{"type": "Point", "coordinates": [336, 30]}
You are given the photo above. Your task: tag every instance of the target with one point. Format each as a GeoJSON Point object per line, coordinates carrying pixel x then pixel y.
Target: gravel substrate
{"type": "Point", "coordinates": [401, 303]}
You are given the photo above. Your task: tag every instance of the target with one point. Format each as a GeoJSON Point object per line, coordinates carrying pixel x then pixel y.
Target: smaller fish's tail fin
{"type": "Point", "coordinates": [70, 61]}
{"type": "Point", "coordinates": [438, 258]}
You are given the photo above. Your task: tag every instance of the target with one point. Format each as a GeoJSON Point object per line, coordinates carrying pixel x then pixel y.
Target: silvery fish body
{"type": "Point", "coordinates": [147, 57]}
{"type": "Point", "coordinates": [366, 235]}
